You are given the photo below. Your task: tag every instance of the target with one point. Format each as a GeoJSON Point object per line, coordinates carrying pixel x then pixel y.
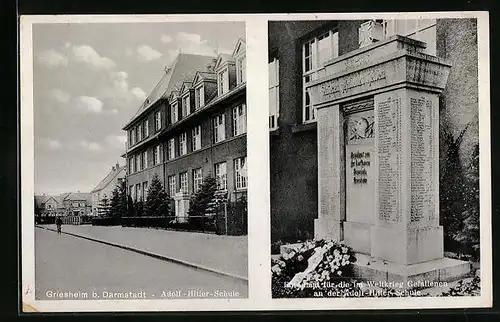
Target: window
{"type": "Point", "coordinates": [144, 190]}
{"type": "Point", "coordinates": [173, 113]}
{"type": "Point", "coordinates": [131, 191]}
{"type": "Point", "coordinates": [138, 192]}
{"type": "Point", "coordinates": [146, 128]}
{"type": "Point", "coordinates": [240, 172]}
{"type": "Point", "coordinates": [183, 179]}
{"type": "Point", "coordinates": [219, 128]}
{"type": "Point", "coordinates": [157, 120]}
{"type": "Point", "coordinates": [171, 148]}
{"type": "Point", "coordinates": [239, 120]}
{"type": "Point", "coordinates": [221, 175]}
{"type": "Point", "coordinates": [144, 159]}
{"type": "Point", "coordinates": [171, 185]}
{"type": "Point", "coordinates": [185, 106]}
{"type": "Point", "coordinates": [182, 144]}
{"type": "Point", "coordinates": [131, 165]}
{"type": "Point", "coordinates": [137, 165]}
{"type": "Point", "coordinates": [156, 157]}
{"type": "Point", "coordinates": [315, 53]}
{"type": "Point", "coordinates": [132, 137]}
{"type": "Point", "coordinates": [199, 97]}
{"type": "Point", "coordinates": [196, 134]}
{"type": "Point", "coordinates": [418, 29]}
{"type": "Point", "coordinates": [274, 93]}
{"type": "Point", "coordinates": [197, 179]}
{"type": "Point", "coordinates": [223, 82]}
{"type": "Point", "coordinates": [241, 70]}
{"type": "Point", "coordinates": [139, 132]}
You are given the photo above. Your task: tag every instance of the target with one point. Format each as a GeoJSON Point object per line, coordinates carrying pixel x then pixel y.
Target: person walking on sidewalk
{"type": "Point", "coordinates": [58, 224]}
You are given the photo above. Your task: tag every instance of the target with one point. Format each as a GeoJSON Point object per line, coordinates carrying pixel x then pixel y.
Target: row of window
{"type": "Point", "coordinates": [141, 130]}
{"type": "Point", "coordinates": [139, 162]}
{"type": "Point", "coordinates": [139, 191]}
{"type": "Point", "coordinates": [220, 170]}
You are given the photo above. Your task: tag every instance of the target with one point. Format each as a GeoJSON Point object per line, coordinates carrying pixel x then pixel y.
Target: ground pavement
{"type": "Point", "coordinates": [224, 254]}
{"type": "Point", "coordinates": [67, 264]}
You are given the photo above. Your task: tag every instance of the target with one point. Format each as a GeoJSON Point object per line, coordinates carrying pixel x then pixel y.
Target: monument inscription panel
{"type": "Point", "coordinates": [389, 159]}
{"type": "Point", "coordinates": [422, 160]}
{"type": "Point", "coordinates": [359, 152]}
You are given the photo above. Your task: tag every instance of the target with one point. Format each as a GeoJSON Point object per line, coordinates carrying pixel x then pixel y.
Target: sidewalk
{"type": "Point", "coordinates": [227, 255]}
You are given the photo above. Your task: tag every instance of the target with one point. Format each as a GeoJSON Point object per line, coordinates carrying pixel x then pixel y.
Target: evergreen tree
{"type": "Point", "coordinates": [103, 208]}
{"type": "Point", "coordinates": [118, 202]}
{"type": "Point", "coordinates": [453, 189]}
{"type": "Point", "coordinates": [157, 202]}
{"type": "Point", "coordinates": [201, 202]}
{"type": "Point", "coordinates": [139, 208]}
{"type": "Point", "coordinates": [468, 237]}
{"type": "Point", "coordinates": [130, 207]}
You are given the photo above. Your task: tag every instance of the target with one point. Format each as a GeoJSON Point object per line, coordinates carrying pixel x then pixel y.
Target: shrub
{"type": "Point", "coordinates": [465, 288]}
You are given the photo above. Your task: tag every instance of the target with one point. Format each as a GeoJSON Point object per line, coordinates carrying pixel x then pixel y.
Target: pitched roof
{"type": "Point", "coordinates": [238, 46]}
{"type": "Point", "coordinates": [109, 178]}
{"type": "Point", "coordinates": [204, 76]}
{"type": "Point", "coordinates": [73, 196]}
{"type": "Point", "coordinates": [42, 200]}
{"type": "Point", "coordinates": [184, 67]}
{"type": "Point", "coordinates": [222, 58]}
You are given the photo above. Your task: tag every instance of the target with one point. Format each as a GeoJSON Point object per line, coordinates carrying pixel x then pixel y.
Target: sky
{"type": "Point", "coordinates": [90, 79]}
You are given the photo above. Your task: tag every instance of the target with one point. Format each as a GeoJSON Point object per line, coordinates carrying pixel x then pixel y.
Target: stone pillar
{"type": "Point", "coordinates": [406, 229]}
{"type": "Point", "coordinates": [330, 169]}
{"type": "Point", "coordinates": [403, 240]}
{"type": "Point", "coordinates": [181, 206]}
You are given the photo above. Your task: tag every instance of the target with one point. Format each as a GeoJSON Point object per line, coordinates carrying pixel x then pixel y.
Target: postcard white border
{"type": "Point", "coordinates": [258, 171]}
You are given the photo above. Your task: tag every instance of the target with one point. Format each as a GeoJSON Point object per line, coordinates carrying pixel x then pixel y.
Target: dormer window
{"type": "Point", "coordinates": [199, 94]}
{"type": "Point", "coordinates": [185, 105]}
{"type": "Point", "coordinates": [174, 113]}
{"type": "Point", "coordinates": [223, 82]}
{"type": "Point", "coordinates": [139, 132]}
{"type": "Point", "coordinates": [158, 120]}
{"type": "Point", "coordinates": [241, 69]}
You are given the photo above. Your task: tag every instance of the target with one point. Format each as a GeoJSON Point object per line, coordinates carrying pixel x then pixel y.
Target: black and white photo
{"type": "Point", "coordinates": [140, 184]}
{"type": "Point", "coordinates": [374, 157]}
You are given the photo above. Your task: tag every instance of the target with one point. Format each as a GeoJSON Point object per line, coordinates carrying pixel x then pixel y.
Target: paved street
{"type": "Point", "coordinates": [227, 254]}
{"type": "Point", "coordinates": [69, 264]}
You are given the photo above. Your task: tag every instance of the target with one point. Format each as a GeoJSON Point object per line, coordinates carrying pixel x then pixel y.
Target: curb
{"type": "Point", "coordinates": [154, 255]}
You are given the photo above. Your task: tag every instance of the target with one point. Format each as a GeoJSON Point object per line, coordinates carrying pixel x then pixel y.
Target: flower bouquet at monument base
{"type": "Point", "coordinates": [312, 266]}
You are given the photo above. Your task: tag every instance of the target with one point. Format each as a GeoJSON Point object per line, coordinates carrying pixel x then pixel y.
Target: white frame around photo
{"type": "Point", "coordinates": [258, 181]}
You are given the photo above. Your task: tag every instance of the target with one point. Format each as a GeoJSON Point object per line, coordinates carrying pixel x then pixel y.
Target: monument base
{"type": "Point", "coordinates": [327, 228]}
{"type": "Point", "coordinates": [357, 236]}
{"type": "Point", "coordinates": [407, 246]}
{"type": "Point", "coordinates": [421, 275]}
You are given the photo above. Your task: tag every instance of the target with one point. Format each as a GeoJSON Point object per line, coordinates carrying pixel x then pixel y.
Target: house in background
{"type": "Point", "coordinates": [192, 125]}
{"type": "Point", "coordinates": [49, 206]}
{"type": "Point", "coordinates": [77, 203]}
{"type": "Point", "coordinates": [298, 53]}
{"type": "Point", "coordinates": [104, 190]}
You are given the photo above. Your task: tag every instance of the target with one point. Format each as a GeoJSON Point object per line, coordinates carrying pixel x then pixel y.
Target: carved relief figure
{"type": "Point", "coordinates": [361, 128]}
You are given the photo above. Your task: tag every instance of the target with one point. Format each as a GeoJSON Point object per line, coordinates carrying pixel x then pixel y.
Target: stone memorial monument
{"type": "Point", "coordinates": [181, 199]}
{"type": "Point", "coordinates": [378, 160]}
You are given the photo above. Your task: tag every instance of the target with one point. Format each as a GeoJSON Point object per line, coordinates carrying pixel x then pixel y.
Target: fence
{"type": "Point", "coordinates": [225, 219]}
